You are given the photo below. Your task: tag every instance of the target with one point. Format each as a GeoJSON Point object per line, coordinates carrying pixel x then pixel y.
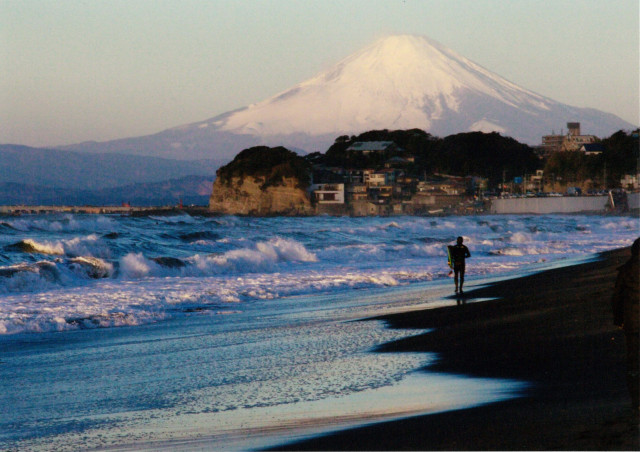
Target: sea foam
{"type": "Point", "coordinates": [143, 270]}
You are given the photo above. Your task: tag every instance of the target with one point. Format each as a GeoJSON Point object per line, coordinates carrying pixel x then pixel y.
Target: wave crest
{"type": "Point", "coordinates": [31, 246]}
{"type": "Point", "coordinates": [90, 245]}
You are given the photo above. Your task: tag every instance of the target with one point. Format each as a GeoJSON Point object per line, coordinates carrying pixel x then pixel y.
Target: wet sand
{"type": "Point", "coordinates": [553, 329]}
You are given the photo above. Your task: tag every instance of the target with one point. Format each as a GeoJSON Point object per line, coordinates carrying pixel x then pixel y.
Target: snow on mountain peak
{"type": "Point", "coordinates": [398, 82]}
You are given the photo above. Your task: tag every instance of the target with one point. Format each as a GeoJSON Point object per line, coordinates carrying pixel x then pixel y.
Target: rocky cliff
{"type": "Point", "coordinates": [245, 196]}
{"type": "Point", "coordinates": [262, 181]}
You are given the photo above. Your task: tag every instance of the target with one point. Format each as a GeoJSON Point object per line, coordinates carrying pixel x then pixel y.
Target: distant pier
{"type": "Point", "coordinates": [534, 205]}
{"type": "Point", "coordinates": [115, 210]}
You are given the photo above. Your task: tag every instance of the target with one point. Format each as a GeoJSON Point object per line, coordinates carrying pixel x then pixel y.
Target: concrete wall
{"type": "Point", "coordinates": [332, 209]}
{"type": "Point", "coordinates": [70, 209]}
{"type": "Point", "coordinates": [564, 204]}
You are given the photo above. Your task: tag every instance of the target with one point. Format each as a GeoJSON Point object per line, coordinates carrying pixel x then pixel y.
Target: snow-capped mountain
{"type": "Point", "coordinates": [399, 82]}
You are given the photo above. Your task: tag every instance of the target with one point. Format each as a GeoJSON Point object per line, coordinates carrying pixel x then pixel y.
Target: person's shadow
{"type": "Point", "coordinates": [461, 299]}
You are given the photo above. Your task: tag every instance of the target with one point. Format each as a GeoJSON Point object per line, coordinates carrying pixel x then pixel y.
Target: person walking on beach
{"type": "Point", "coordinates": [459, 253]}
{"type": "Point", "coordinates": [626, 314]}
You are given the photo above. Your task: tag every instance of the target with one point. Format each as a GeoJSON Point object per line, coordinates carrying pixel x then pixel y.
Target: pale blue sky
{"type": "Point", "coordinates": [74, 70]}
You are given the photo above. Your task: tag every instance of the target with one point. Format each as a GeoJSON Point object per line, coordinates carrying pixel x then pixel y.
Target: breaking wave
{"type": "Point", "coordinates": [31, 246]}
{"type": "Point", "coordinates": [128, 271]}
{"type": "Point", "coordinates": [262, 257]}
{"type": "Point", "coordinates": [90, 245]}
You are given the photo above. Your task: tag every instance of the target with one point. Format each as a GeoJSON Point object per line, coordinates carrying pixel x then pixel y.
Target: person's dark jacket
{"type": "Point", "coordinates": [626, 296]}
{"type": "Point", "coordinates": [458, 255]}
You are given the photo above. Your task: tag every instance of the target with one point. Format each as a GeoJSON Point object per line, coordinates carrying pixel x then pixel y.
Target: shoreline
{"type": "Point", "coordinates": [457, 357]}
{"type": "Point", "coordinates": [587, 208]}
{"type": "Point", "coordinates": [321, 324]}
{"type": "Point", "coordinates": [553, 329]}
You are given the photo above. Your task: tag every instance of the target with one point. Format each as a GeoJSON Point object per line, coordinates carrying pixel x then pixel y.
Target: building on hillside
{"type": "Point", "coordinates": [572, 141]}
{"type": "Point", "coordinates": [366, 175]}
{"type": "Point", "coordinates": [380, 177]}
{"type": "Point", "coordinates": [441, 187]}
{"type": "Point", "coordinates": [476, 184]}
{"type": "Point", "coordinates": [380, 193]}
{"type": "Point", "coordinates": [573, 128]}
{"type": "Point", "coordinates": [421, 200]}
{"type": "Point", "coordinates": [328, 193]}
{"type": "Point", "coordinates": [592, 149]}
{"type": "Point", "coordinates": [356, 192]}
{"type": "Point", "coordinates": [354, 176]}
{"type": "Point", "coordinates": [371, 208]}
{"type": "Point", "coordinates": [403, 191]}
{"type": "Point", "coordinates": [550, 144]}
{"type": "Point", "coordinates": [535, 182]}
{"type": "Point", "coordinates": [377, 179]}
{"type": "Point", "coordinates": [368, 147]}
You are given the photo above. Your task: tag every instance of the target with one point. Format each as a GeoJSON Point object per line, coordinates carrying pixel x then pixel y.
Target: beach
{"type": "Point", "coordinates": [198, 333]}
{"type": "Point", "coordinates": [553, 329]}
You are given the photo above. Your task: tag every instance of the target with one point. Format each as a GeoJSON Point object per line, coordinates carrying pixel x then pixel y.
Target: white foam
{"type": "Point", "coordinates": [24, 280]}
{"type": "Point", "coordinates": [91, 267]}
{"type": "Point", "coordinates": [90, 245]}
{"type": "Point", "coordinates": [135, 265]}
{"type": "Point", "coordinates": [262, 257]}
{"type": "Point", "coordinates": [65, 223]}
{"type": "Point", "coordinates": [89, 283]}
{"type": "Point", "coordinates": [521, 237]}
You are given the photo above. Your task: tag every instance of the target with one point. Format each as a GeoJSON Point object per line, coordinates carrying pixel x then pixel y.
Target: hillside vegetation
{"type": "Point", "coordinates": [488, 155]}
{"type": "Point", "coordinates": [474, 153]}
{"type": "Point", "coordinates": [270, 165]}
{"type": "Point", "coordinates": [620, 157]}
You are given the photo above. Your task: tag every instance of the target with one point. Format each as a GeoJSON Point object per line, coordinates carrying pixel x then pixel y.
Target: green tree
{"type": "Point", "coordinates": [269, 164]}
{"type": "Point", "coordinates": [487, 155]}
{"type": "Point", "coordinates": [619, 157]}
{"type": "Point", "coordinates": [473, 153]}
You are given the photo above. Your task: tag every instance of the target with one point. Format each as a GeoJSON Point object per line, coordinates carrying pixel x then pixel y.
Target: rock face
{"type": "Point", "coordinates": [245, 196]}
{"type": "Point", "coordinates": [262, 181]}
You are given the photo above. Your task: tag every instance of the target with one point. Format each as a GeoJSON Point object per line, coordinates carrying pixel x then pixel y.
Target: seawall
{"type": "Point", "coordinates": [564, 204]}
{"type": "Point", "coordinates": [116, 210]}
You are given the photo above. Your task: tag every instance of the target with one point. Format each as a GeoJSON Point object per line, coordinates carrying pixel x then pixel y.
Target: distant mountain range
{"type": "Point", "coordinates": [399, 82]}
{"type": "Point", "coordinates": [54, 177]}
{"type": "Point", "coordinates": [78, 170]}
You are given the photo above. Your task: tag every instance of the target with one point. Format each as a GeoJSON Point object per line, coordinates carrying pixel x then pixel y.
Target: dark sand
{"type": "Point", "coordinates": [553, 329]}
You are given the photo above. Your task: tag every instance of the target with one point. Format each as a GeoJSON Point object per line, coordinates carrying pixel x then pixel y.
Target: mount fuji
{"type": "Point", "coordinates": [399, 82]}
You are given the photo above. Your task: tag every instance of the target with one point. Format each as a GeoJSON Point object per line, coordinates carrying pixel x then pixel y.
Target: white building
{"type": "Point", "coordinates": [328, 193]}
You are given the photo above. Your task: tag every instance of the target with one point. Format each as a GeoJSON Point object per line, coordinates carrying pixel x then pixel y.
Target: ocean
{"type": "Point", "coordinates": [179, 331]}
